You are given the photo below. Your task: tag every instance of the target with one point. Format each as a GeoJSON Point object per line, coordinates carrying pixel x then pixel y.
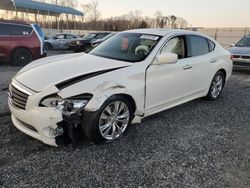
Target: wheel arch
{"type": "Point", "coordinates": [107, 90]}
{"type": "Point", "coordinates": [129, 98]}
{"type": "Point", "coordinates": [223, 71]}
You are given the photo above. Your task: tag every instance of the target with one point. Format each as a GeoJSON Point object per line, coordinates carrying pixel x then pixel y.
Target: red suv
{"type": "Point", "coordinates": [20, 43]}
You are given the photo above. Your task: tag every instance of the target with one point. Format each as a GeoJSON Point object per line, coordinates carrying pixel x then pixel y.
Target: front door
{"type": "Point", "coordinates": [169, 84]}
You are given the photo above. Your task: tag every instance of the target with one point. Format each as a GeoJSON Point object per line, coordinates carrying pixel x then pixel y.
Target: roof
{"type": "Point", "coordinates": [164, 32]}
{"type": "Point", "coordinates": [43, 8]}
{"type": "Point", "coordinates": [14, 22]}
{"type": "Point", "coordinates": [151, 31]}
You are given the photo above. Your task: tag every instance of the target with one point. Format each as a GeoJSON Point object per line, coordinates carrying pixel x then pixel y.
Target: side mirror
{"type": "Point", "coordinates": [167, 58]}
{"type": "Point", "coordinates": [232, 45]}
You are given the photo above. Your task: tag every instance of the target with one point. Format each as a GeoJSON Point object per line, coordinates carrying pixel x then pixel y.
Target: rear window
{"type": "Point", "coordinates": [20, 30]}
{"type": "Point", "coordinates": [39, 30]}
{"type": "Point", "coordinates": [4, 30]}
{"type": "Point", "coordinates": [197, 46]}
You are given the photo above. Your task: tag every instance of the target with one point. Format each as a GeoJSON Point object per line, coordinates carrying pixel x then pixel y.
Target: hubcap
{"type": "Point", "coordinates": [114, 120]}
{"type": "Point", "coordinates": [217, 86]}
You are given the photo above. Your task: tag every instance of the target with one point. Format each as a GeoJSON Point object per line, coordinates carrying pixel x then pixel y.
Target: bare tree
{"type": "Point", "coordinates": [158, 18]}
{"type": "Point", "coordinates": [173, 19]}
{"type": "Point", "coordinates": [93, 11]}
{"type": "Point", "coordinates": [181, 23]}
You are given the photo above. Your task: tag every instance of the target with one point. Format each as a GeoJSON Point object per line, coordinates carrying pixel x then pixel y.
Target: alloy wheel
{"type": "Point", "coordinates": [217, 86]}
{"type": "Point", "coordinates": [114, 120]}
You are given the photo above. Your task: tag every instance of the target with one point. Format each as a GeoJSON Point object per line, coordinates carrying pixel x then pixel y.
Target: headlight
{"type": "Point", "coordinates": [78, 42]}
{"type": "Point", "coordinates": [67, 106]}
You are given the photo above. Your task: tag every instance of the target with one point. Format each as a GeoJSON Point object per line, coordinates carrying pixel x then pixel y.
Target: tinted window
{"type": "Point", "coordinates": [20, 30]}
{"type": "Point", "coordinates": [211, 45]}
{"type": "Point", "coordinates": [197, 46]}
{"type": "Point", "coordinates": [100, 36]}
{"type": "Point", "coordinates": [59, 37]}
{"type": "Point", "coordinates": [39, 30]}
{"type": "Point", "coordinates": [245, 42]}
{"type": "Point", "coordinates": [4, 29]}
{"type": "Point", "coordinates": [89, 36]}
{"type": "Point", "coordinates": [69, 36]}
{"type": "Point", "coordinates": [175, 45]}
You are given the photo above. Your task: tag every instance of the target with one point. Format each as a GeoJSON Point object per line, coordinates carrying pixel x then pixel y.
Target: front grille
{"type": "Point", "coordinates": [18, 98]}
{"type": "Point", "coordinates": [236, 63]}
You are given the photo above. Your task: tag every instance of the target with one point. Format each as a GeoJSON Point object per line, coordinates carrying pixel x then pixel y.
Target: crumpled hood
{"type": "Point", "coordinates": [239, 50]}
{"type": "Point", "coordinates": [46, 72]}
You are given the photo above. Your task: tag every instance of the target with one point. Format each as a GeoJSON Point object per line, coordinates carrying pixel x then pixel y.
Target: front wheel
{"type": "Point", "coordinates": [111, 121]}
{"type": "Point", "coordinates": [216, 86]}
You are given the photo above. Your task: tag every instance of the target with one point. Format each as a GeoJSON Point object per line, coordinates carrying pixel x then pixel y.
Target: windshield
{"type": "Point", "coordinates": [89, 36]}
{"type": "Point", "coordinates": [245, 42]}
{"type": "Point", "coordinates": [131, 47]}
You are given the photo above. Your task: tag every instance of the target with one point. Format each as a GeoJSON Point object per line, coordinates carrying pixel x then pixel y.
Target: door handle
{"type": "Point", "coordinates": [213, 61]}
{"type": "Point", "coordinates": [187, 66]}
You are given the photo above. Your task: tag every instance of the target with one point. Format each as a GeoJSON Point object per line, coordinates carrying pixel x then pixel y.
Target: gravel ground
{"type": "Point", "coordinates": [198, 144]}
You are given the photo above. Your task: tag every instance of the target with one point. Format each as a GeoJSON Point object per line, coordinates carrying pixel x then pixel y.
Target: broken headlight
{"type": "Point", "coordinates": [67, 106]}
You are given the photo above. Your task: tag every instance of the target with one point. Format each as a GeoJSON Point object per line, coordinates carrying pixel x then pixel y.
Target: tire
{"type": "Point", "coordinates": [48, 46]}
{"type": "Point", "coordinates": [102, 127]}
{"type": "Point", "coordinates": [216, 86]}
{"type": "Point", "coordinates": [21, 56]}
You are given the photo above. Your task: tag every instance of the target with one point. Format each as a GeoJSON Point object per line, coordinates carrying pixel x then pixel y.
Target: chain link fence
{"type": "Point", "coordinates": [225, 36]}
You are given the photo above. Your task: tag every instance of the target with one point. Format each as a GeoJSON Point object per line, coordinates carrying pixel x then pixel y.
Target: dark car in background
{"type": "Point", "coordinates": [59, 41]}
{"type": "Point", "coordinates": [20, 43]}
{"type": "Point", "coordinates": [84, 44]}
{"type": "Point", "coordinates": [99, 41]}
{"type": "Point", "coordinates": [241, 53]}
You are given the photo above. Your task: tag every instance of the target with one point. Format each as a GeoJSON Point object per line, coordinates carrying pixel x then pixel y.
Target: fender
{"type": "Point", "coordinates": [105, 90]}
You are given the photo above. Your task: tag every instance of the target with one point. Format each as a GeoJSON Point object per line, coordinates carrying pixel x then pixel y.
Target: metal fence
{"type": "Point", "coordinates": [225, 36]}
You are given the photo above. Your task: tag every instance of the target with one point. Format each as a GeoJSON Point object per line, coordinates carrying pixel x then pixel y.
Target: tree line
{"type": "Point", "coordinates": [92, 19]}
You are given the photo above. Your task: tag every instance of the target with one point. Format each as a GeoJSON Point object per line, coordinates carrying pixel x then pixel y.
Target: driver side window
{"type": "Point", "coordinates": [175, 45]}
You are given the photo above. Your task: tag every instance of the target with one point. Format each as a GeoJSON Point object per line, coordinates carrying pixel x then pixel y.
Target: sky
{"type": "Point", "coordinates": [198, 13]}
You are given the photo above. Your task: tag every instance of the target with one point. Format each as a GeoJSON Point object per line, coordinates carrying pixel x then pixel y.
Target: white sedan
{"type": "Point", "coordinates": [130, 76]}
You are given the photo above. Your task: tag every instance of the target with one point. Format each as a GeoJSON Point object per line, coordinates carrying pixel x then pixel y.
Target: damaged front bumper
{"type": "Point", "coordinates": [43, 127]}
{"type": "Point", "coordinates": [42, 123]}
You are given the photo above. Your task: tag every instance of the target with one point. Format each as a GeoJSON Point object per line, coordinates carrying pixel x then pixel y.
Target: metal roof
{"type": "Point", "coordinates": [43, 8]}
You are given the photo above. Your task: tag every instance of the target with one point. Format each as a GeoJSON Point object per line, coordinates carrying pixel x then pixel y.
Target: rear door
{"type": "Point", "coordinates": [5, 42]}
{"type": "Point", "coordinates": [202, 59]}
{"type": "Point", "coordinates": [68, 39]}
{"type": "Point", "coordinates": [59, 42]}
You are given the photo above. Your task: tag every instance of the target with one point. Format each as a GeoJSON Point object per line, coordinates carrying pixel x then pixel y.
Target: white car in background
{"type": "Point", "coordinates": [128, 77]}
{"type": "Point", "coordinates": [59, 41]}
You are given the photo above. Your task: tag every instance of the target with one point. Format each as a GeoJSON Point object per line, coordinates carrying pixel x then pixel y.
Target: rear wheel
{"type": "Point", "coordinates": [216, 86]}
{"type": "Point", "coordinates": [111, 121]}
{"type": "Point", "coordinates": [21, 56]}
